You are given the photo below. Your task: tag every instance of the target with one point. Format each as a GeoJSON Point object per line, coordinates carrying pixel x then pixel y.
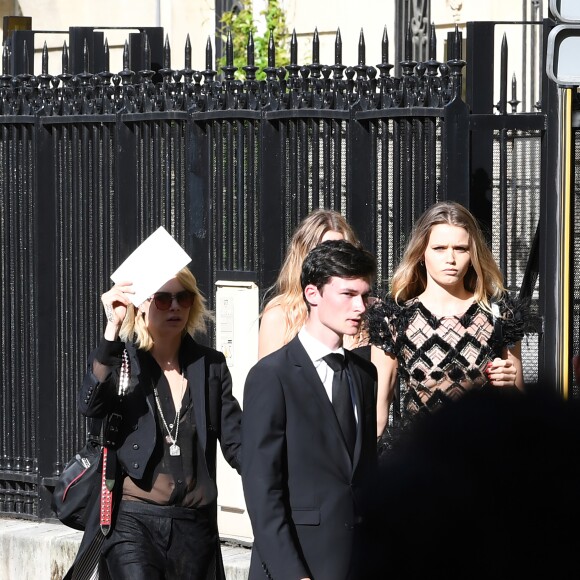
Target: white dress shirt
{"type": "Point", "coordinates": [316, 350]}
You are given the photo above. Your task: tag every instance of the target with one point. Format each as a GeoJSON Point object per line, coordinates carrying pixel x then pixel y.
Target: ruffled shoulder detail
{"type": "Point", "coordinates": [513, 322]}
{"type": "Point", "coordinates": [386, 320]}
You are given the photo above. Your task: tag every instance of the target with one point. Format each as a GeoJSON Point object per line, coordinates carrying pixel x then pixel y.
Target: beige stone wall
{"type": "Point", "coordinates": [197, 18]}
{"type": "Point", "coordinates": [447, 13]}
{"type": "Point", "coordinates": [178, 18]}
{"type": "Point", "coordinates": [9, 7]}
{"type": "Point", "coordinates": [371, 16]}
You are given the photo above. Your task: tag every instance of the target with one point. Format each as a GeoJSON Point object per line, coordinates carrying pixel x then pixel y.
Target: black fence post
{"type": "Point", "coordinates": [479, 97]}
{"type": "Point", "coordinates": [50, 423]}
{"type": "Point", "coordinates": [126, 189]}
{"type": "Point", "coordinates": [198, 216]}
{"type": "Point", "coordinates": [361, 183]}
{"type": "Point", "coordinates": [455, 156]}
{"type": "Point", "coordinates": [95, 45]}
{"type": "Point", "coordinates": [21, 46]}
{"type": "Point", "coordinates": [155, 39]}
{"type": "Point", "coordinates": [272, 212]}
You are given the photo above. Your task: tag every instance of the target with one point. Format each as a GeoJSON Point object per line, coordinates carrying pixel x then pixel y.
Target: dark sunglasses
{"type": "Point", "coordinates": [164, 300]}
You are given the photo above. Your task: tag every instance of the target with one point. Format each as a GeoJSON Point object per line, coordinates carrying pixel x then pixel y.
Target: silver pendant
{"type": "Point", "coordinates": [174, 450]}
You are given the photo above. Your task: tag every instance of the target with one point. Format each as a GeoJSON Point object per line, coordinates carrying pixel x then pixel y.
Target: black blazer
{"type": "Point", "coordinates": [299, 482]}
{"type": "Point", "coordinates": [217, 414]}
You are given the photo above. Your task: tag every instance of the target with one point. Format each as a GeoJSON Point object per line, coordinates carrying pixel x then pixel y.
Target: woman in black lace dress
{"type": "Point", "coordinates": [448, 324]}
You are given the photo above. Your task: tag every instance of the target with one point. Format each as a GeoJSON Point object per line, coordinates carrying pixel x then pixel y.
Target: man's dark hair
{"type": "Point", "coordinates": [337, 258]}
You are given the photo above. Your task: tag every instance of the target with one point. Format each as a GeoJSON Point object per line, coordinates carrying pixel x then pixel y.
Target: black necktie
{"type": "Point", "coordinates": [341, 399]}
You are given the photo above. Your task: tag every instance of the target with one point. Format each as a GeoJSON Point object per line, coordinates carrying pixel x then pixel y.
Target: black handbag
{"type": "Point", "coordinates": [78, 481]}
{"type": "Point", "coordinates": [84, 476]}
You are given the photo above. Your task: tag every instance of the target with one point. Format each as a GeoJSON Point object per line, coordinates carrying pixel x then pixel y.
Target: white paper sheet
{"type": "Point", "coordinates": [152, 264]}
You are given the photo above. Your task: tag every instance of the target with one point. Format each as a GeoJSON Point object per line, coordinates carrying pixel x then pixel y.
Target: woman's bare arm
{"type": "Point", "coordinates": [386, 365]}
{"type": "Point", "coordinates": [272, 331]}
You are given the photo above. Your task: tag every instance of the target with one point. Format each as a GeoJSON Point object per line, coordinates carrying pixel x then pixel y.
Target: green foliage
{"type": "Point", "coordinates": [241, 23]}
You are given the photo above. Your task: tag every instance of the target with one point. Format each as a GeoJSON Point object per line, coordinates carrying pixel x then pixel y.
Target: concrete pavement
{"type": "Point", "coordinates": [32, 550]}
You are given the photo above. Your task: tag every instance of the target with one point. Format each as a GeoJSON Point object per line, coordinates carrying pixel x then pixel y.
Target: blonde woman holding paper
{"type": "Point", "coordinates": [175, 407]}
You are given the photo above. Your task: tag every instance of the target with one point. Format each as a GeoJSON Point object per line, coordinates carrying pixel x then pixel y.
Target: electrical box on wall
{"type": "Point", "coordinates": [236, 323]}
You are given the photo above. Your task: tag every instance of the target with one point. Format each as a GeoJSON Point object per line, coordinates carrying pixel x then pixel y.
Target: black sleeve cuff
{"type": "Point", "coordinates": [109, 352]}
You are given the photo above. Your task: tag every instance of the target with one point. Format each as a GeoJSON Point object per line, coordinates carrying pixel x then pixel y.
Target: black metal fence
{"type": "Point", "coordinates": [92, 163]}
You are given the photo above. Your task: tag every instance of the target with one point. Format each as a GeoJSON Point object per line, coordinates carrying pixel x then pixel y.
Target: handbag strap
{"type": "Point", "coordinates": [94, 427]}
{"type": "Point", "coordinates": [106, 497]}
{"type": "Point", "coordinates": [112, 427]}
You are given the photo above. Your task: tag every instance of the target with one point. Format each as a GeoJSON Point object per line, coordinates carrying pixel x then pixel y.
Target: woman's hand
{"type": "Point", "coordinates": [502, 373]}
{"type": "Point", "coordinates": [115, 302]}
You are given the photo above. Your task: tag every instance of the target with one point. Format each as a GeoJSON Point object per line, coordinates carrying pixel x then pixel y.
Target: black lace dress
{"type": "Point", "coordinates": [439, 359]}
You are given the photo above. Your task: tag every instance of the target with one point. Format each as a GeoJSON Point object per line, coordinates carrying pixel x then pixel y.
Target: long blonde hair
{"type": "Point", "coordinates": [135, 329]}
{"type": "Point", "coordinates": [287, 292]}
{"type": "Point", "coordinates": [483, 277]}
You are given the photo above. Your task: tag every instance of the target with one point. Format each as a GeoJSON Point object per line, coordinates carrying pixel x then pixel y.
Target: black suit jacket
{"type": "Point", "coordinates": [299, 482]}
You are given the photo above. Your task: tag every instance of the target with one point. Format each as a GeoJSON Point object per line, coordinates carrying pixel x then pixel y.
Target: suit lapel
{"type": "Point", "coordinates": [308, 376]}
{"type": "Point", "coordinates": [301, 360]}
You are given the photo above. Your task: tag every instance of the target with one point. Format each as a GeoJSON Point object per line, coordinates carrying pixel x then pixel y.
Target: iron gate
{"type": "Point", "coordinates": [92, 163]}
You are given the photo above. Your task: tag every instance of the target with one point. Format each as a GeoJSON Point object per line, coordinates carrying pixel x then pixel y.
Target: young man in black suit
{"type": "Point", "coordinates": [309, 432]}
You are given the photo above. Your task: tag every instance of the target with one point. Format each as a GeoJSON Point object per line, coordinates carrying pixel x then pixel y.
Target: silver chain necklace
{"type": "Point", "coordinates": [174, 449]}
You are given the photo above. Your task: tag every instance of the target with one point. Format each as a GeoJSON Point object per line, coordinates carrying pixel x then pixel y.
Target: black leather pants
{"type": "Point", "coordinates": [160, 543]}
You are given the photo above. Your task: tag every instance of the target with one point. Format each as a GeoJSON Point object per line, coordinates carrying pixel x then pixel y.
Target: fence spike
{"type": "Point", "coordinates": [271, 50]}
{"type": "Point", "coordinates": [188, 53]}
{"type": "Point", "coordinates": [45, 59]}
{"type": "Point", "coordinates": [229, 48]}
{"type": "Point", "coordinates": [503, 76]}
{"type": "Point", "coordinates": [384, 66]}
{"type": "Point", "coordinates": [514, 100]}
{"type": "Point", "coordinates": [25, 58]}
{"type": "Point", "coordinates": [106, 55]}
{"type": "Point", "coordinates": [64, 58]}
{"type": "Point", "coordinates": [5, 59]}
{"type": "Point", "coordinates": [408, 43]}
{"type": "Point", "coordinates": [316, 47]}
{"type": "Point", "coordinates": [432, 43]}
{"type": "Point", "coordinates": [146, 52]}
{"type": "Point", "coordinates": [361, 49]}
{"type": "Point", "coordinates": [250, 49]}
{"type": "Point", "coordinates": [126, 56]}
{"type": "Point", "coordinates": [457, 43]}
{"type": "Point", "coordinates": [294, 48]}
{"type": "Point", "coordinates": [338, 47]}
{"type": "Point", "coordinates": [85, 56]}
{"type": "Point", "coordinates": [166, 53]}
{"type": "Point", "coordinates": [385, 46]}
{"type": "Point", "coordinates": [208, 55]}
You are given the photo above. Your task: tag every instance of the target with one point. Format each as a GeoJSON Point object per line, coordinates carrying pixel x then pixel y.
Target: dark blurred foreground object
{"type": "Point", "coordinates": [488, 487]}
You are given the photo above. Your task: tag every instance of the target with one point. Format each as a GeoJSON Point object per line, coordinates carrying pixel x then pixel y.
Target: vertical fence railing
{"type": "Point", "coordinates": [18, 300]}
{"type": "Point", "coordinates": [92, 163]}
